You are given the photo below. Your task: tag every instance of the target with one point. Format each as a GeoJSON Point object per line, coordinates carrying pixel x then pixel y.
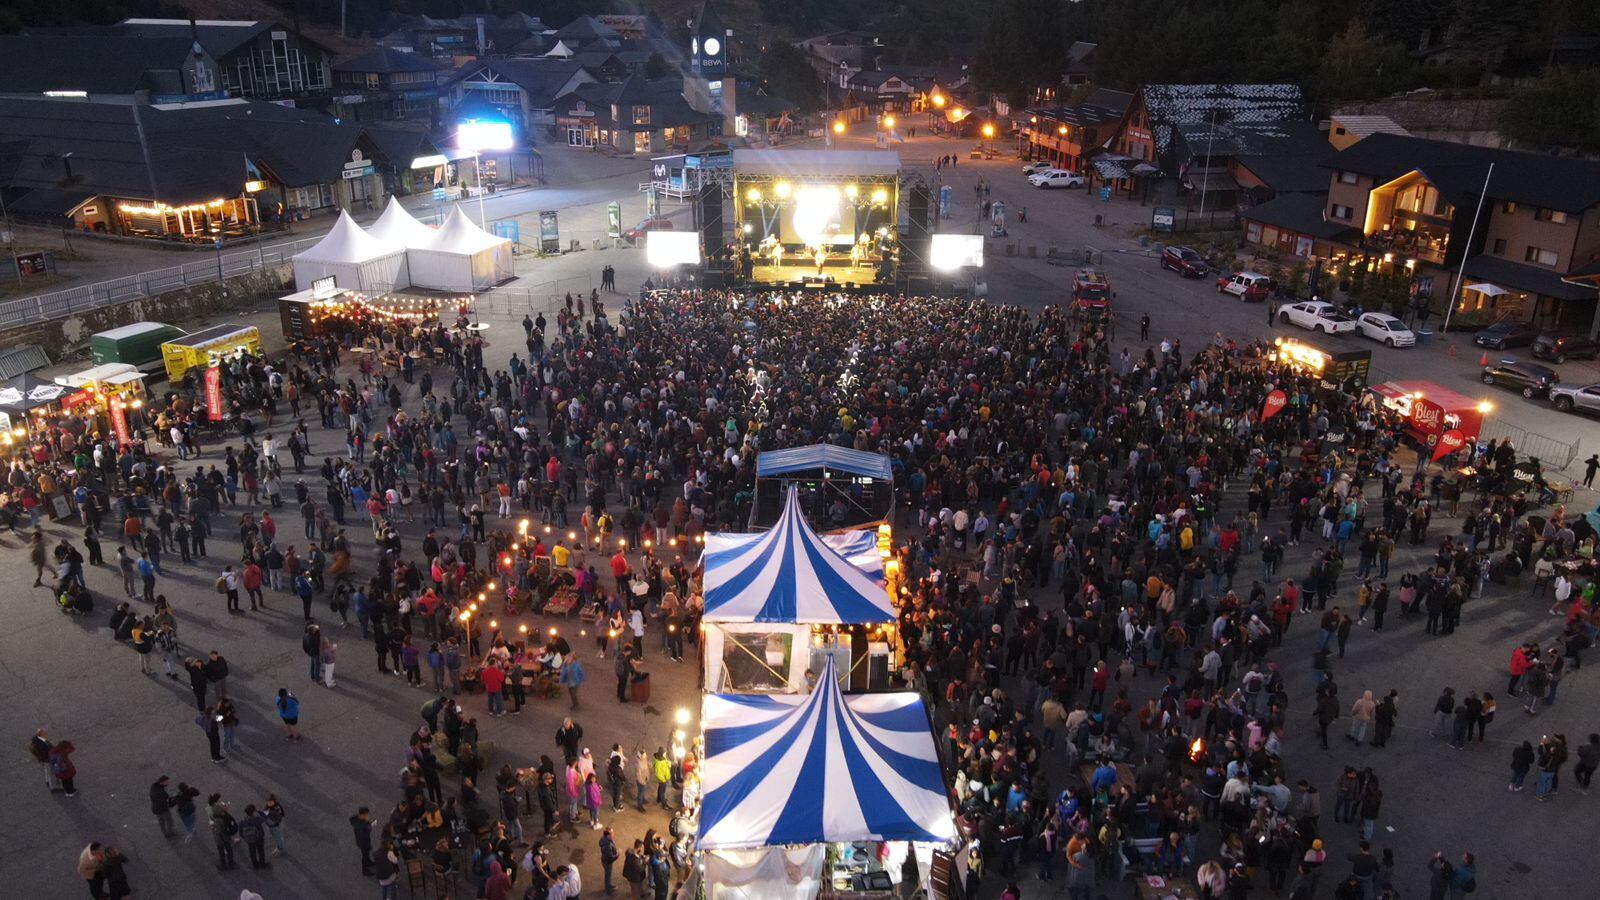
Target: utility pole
{"type": "Point", "coordinates": [1461, 272]}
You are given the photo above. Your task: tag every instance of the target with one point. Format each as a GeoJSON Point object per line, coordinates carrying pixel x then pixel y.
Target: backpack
{"type": "Point", "coordinates": [221, 584]}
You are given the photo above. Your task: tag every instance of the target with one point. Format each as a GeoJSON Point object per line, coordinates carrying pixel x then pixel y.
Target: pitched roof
{"type": "Point", "coordinates": [1300, 213]}
{"type": "Point", "coordinates": [584, 29]}
{"type": "Point", "coordinates": [108, 157]}
{"type": "Point", "coordinates": [1458, 170]}
{"type": "Point", "coordinates": [386, 60]}
{"type": "Point", "coordinates": [1193, 103]}
{"type": "Point", "coordinates": [541, 78]}
{"type": "Point", "coordinates": [1288, 173]}
{"type": "Point", "coordinates": [1362, 126]}
{"type": "Point", "coordinates": [219, 37]}
{"type": "Point", "coordinates": [97, 63]}
{"type": "Point", "coordinates": [1534, 279]}
{"type": "Point", "coordinates": [1078, 56]}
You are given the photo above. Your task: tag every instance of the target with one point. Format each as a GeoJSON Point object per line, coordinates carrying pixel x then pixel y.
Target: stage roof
{"type": "Point", "coordinates": [823, 456]}
{"type": "Point", "coordinates": [786, 769]}
{"type": "Point", "coordinates": [829, 163]}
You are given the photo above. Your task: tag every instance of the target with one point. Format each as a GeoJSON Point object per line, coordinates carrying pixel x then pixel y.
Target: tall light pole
{"type": "Point", "coordinates": [474, 136]}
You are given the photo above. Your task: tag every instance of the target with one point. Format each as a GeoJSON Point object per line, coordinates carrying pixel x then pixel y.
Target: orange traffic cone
{"type": "Point", "coordinates": [1485, 360]}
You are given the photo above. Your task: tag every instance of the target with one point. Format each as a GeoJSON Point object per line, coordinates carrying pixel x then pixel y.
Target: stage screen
{"type": "Point", "coordinates": [955, 251]}
{"type": "Point", "coordinates": [817, 214]}
{"type": "Point", "coordinates": [665, 249]}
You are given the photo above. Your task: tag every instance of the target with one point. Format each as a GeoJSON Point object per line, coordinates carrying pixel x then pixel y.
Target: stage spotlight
{"type": "Point", "coordinates": [747, 228]}
{"type": "Point", "coordinates": [850, 191]}
{"type": "Point", "coordinates": [753, 195]}
{"type": "Point", "coordinates": [880, 196]}
{"type": "Point", "coordinates": [783, 190]}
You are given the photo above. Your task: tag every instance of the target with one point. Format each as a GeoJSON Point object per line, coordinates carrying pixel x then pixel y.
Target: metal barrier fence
{"type": "Point", "coordinates": [1552, 452]}
{"type": "Point", "coordinates": [204, 270]}
{"type": "Point", "coordinates": [519, 300]}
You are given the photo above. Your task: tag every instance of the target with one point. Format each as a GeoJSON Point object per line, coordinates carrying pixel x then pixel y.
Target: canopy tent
{"type": "Point", "coordinates": [26, 392]}
{"type": "Point", "coordinates": [789, 574]}
{"type": "Point", "coordinates": [1487, 289]}
{"type": "Point", "coordinates": [823, 456]}
{"type": "Point", "coordinates": [785, 769]}
{"type": "Point", "coordinates": [461, 257]}
{"type": "Point", "coordinates": [399, 228]}
{"type": "Point", "coordinates": [356, 260]}
{"type": "Point", "coordinates": [843, 487]}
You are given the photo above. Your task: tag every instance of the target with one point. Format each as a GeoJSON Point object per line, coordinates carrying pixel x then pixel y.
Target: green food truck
{"type": "Point", "coordinates": [138, 345]}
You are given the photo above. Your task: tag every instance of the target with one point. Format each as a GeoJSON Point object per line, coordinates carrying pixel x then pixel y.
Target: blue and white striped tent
{"type": "Point", "coordinates": [789, 574]}
{"type": "Point", "coordinates": [785, 769]}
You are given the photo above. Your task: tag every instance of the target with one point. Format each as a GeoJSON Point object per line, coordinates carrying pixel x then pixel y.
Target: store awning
{"type": "Point", "coordinates": [788, 574]}
{"type": "Point", "coordinates": [786, 769]}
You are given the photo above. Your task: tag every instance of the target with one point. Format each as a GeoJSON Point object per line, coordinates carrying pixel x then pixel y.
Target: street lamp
{"type": "Point", "coordinates": [888, 123]}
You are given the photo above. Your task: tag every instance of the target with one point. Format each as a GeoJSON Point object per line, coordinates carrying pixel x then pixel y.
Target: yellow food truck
{"type": "Point", "coordinates": [199, 350]}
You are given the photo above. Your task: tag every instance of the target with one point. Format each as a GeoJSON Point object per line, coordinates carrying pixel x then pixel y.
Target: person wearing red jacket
{"type": "Point", "coordinates": [494, 681]}
{"type": "Point", "coordinates": [1519, 668]}
{"type": "Point", "coordinates": [251, 579]}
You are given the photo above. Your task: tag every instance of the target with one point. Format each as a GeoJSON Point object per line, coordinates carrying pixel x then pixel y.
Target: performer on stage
{"type": "Point", "coordinates": [822, 258]}
{"type": "Point", "coordinates": [775, 251]}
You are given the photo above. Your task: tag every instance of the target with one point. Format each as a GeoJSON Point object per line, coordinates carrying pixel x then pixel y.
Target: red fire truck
{"type": "Point", "coordinates": [1429, 410]}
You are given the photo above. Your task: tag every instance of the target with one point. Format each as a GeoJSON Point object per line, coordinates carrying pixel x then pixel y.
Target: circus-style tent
{"type": "Point", "coordinates": [356, 260]}
{"type": "Point", "coordinates": [785, 774]}
{"type": "Point", "coordinates": [788, 574]}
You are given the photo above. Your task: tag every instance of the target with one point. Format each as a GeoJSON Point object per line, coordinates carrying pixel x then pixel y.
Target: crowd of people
{"type": "Point", "coordinates": [1107, 684]}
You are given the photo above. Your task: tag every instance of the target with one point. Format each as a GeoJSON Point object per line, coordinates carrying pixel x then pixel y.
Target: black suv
{"type": "Point", "coordinates": [1532, 379]}
{"type": "Point", "coordinates": [1562, 347]}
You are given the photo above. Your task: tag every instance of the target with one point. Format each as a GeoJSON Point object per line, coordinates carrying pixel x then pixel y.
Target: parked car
{"type": "Point", "coordinates": [1385, 329]}
{"type": "Point", "coordinates": [1036, 167]}
{"type": "Point", "coordinates": [1501, 335]}
{"type": "Point", "coordinates": [636, 233]}
{"type": "Point", "coordinates": [1316, 315]}
{"type": "Point", "coordinates": [1249, 286]}
{"type": "Point", "coordinates": [1576, 399]}
{"type": "Point", "coordinates": [1562, 347]}
{"type": "Point", "coordinates": [1184, 261]}
{"type": "Point", "coordinates": [1531, 379]}
{"type": "Point", "coordinates": [1056, 178]}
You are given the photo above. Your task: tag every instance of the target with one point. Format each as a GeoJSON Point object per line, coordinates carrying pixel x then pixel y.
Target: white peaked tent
{"type": "Point", "coordinates": [399, 228]}
{"type": "Point", "coordinates": [461, 257]}
{"type": "Point", "coordinates": [356, 260]}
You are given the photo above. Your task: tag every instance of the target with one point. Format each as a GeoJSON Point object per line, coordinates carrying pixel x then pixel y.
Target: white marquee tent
{"type": "Point", "coordinates": [356, 260]}
{"type": "Point", "coordinates": [399, 228]}
{"type": "Point", "coordinates": [461, 257]}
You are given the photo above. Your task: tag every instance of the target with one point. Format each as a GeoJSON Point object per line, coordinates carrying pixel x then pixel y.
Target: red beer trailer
{"type": "Point", "coordinates": [1429, 410]}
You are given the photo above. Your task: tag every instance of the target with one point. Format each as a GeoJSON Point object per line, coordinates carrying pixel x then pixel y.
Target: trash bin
{"type": "Point", "coordinates": [1424, 336]}
{"type": "Point", "coordinates": [1144, 241]}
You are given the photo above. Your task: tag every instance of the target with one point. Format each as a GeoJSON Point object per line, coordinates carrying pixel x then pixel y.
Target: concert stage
{"type": "Point", "coordinates": [789, 273]}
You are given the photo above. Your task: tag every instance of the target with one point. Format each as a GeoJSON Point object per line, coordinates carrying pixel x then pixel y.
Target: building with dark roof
{"type": "Point", "coordinates": [386, 84]}
{"type": "Point", "coordinates": [1497, 233]}
{"type": "Point", "coordinates": [106, 68]}
{"type": "Point", "coordinates": [634, 117]}
{"type": "Point", "coordinates": [522, 91]}
{"type": "Point", "coordinates": [189, 172]}
{"type": "Point", "coordinates": [1066, 135]}
{"type": "Point", "coordinates": [259, 59]}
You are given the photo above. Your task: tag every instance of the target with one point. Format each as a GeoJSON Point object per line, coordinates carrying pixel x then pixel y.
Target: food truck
{"type": "Point", "coordinates": [1428, 410]}
{"type": "Point", "coordinates": [199, 350]}
{"type": "Point", "coordinates": [137, 345]}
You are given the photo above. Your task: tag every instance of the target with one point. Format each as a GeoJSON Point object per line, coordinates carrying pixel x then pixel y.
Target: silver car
{"type": "Point", "coordinates": [1575, 398]}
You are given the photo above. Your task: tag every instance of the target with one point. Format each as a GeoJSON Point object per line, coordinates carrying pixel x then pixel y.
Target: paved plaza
{"type": "Point", "coordinates": [68, 674]}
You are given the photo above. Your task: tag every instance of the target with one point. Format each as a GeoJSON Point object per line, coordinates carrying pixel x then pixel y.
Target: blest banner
{"type": "Point", "coordinates": [1274, 404]}
{"type": "Point", "coordinates": [214, 393]}
{"type": "Point", "coordinates": [1449, 442]}
{"type": "Point", "coordinates": [119, 423]}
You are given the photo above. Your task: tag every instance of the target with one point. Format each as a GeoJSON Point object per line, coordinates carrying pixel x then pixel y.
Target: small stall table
{"type": "Point", "coordinates": [1155, 887]}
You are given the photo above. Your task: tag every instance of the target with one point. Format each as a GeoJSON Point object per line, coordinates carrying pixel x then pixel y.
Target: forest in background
{"type": "Point", "coordinates": [1337, 50]}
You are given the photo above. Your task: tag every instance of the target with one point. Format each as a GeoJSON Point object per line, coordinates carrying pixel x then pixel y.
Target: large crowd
{"type": "Point", "coordinates": [1093, 540]}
